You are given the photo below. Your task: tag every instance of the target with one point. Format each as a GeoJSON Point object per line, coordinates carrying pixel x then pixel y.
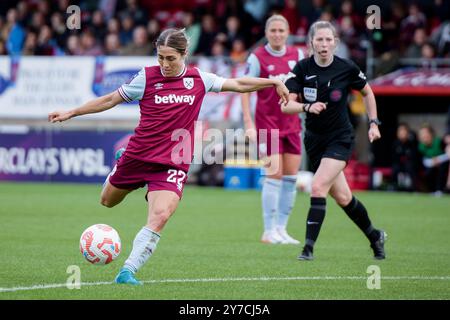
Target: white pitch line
{"type": "Point", "coordinates": [320, 278]}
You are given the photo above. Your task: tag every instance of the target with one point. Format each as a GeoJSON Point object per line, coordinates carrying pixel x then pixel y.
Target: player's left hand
{"type": "Point", "coordinates": [374, 133]}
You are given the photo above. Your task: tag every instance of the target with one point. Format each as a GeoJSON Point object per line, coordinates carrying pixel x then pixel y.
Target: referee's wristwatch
{"type": "Point", "coordinates": [376, 121]}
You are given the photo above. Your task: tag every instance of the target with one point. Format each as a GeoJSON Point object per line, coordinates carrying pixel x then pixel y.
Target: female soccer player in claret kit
{"type": "Point", "coordinates": [170, 96]}
{"type": "Point", "coordinates": [275, 60]}
{"type": "Point", "coordinates": [323, 82]}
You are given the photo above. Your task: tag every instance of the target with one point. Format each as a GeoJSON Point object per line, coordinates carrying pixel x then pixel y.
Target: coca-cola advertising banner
{"type": "Point", "coordinates": [413, 82]}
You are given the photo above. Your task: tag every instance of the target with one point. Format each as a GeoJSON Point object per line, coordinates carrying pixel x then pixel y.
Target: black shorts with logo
{"type": "Point", "coordinates": [336, 145]}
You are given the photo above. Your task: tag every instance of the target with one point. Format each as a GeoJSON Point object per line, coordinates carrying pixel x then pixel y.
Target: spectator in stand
{"type": "Point", "coordinates": [112, 45]}
{"type": "Point", "coordinates": [16, 33]}
{"type": "Point", "coordinates": [23, 12]}
{"type": "Point", "coordinates": [428, 54]}
{"type": "Point", "coordinates": [318, 8]}
{"type": "Point", "coordinates": [347, 12]}
{"type": "Point", "coordinates": [405, 159]}
{"type": "Point", "coordinates": [30, 46]}
{"type": "Point", "coordinates": [386, 39]}
{"type": "Point", "coordinates": [415, 48]}
{"type": "Point", "coordinates": [62, 6]}
{"type": "Point", "coordinates": [99, 25]}
{"type": "Point", "coordinates": [428, 51]}
{"type": "Point", "coordinates": [430, 148]}
{"type": "Point", "coordinates": [59, 29]}
{"type": "Point", "coordinates": [416, 19]}
{"type": "Point", "coordinates": [126, 33]}
{"type": "Point", "coordinates": [73, 45]}
{"type": "Point", "coordinates": [46, 46]}
{"type": "Point", "coordinates": [218, 64]}
{"type": "Point", "coordinates": [89, 46]}
{"type": "Point", "coordinates": [113, 26]}
{"type": "Point", "coordinates": [133, 10]}
{"type": "Point", "coordinates": [193, 31]}
{"type": "Point", "coordinates": [238, 52]}
{"type": "Point", "coordinates": [207, 36]}
{"type": "Point", "coordinates": [352, 39]}
{"type": "Point", "coordinates": [43, 6]}
{"type": "Point", "coordinates": [153, 30]}
{"type": "Point", "coordinates": [298, 24]}
{"type": "Point", "coordinates": [140, 45]}
{"type": "Point", "coordinates": [231, 32]}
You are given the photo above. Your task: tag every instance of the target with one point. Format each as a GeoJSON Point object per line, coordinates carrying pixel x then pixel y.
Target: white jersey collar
{"type": "Point", "coordinates": [273, 52]}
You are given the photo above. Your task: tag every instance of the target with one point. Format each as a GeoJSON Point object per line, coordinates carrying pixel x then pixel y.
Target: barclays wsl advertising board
{"type": "Point", "coordinates": [64, 156]}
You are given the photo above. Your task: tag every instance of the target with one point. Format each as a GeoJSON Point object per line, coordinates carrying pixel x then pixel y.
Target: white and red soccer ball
{"type": "Point", "coordinates": [100, 244]}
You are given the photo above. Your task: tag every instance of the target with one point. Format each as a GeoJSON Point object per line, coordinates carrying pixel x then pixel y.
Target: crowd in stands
{"type": "Point", "coordinates": [218, 28]}
{"type": "Point", "coordinates": [421, 161]}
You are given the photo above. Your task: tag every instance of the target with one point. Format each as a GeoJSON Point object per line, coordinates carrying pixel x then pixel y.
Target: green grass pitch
{"type": "Point", "coordinates": [210, 248]}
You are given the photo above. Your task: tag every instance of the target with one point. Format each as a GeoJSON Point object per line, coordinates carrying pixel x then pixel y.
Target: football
{"type": "Point", "coordinates": [100, 244]}
{"type": "Point", "coordinates": [304, 181]}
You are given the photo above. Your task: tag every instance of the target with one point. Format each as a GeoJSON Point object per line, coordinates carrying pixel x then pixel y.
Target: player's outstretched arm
{"type": "Point", "coordinates": [249, 84]}
{"type": "Point", "coordinates": [94, 106]}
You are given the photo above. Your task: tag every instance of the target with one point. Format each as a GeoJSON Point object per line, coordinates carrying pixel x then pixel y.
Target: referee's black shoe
{"type": "Point", "coordinates": [378, 246]}
{"type": "Point", "coordinates": [307, 253]}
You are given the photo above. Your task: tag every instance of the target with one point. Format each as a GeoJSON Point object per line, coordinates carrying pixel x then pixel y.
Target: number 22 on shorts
{"type": "Point", "coordinates": [176, 176]}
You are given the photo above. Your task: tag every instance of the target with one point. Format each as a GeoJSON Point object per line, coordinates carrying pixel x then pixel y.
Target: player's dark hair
{"type": "Point", "coordinates": [174, 38]}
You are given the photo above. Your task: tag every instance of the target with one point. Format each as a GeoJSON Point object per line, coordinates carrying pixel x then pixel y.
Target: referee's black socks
{"type": "Point", "coordinates": [358, 213]}
{"type": "Point", "coordinates": [316, 215]}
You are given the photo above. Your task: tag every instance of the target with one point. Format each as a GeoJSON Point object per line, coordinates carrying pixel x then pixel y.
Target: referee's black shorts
{"type": "Point", "coordinates": [336, 145]}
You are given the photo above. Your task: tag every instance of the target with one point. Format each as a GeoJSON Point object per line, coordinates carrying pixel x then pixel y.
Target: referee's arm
{"type": "Point", "coordinates": [371, 107]}
{"type": "Point", "coordinates": [369, 101]}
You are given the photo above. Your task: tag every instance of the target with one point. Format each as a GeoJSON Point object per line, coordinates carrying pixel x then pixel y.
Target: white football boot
{"type": "Point", "coordinates": [286, 238]}
{"type": "Point", "coordinates": [272, 237]}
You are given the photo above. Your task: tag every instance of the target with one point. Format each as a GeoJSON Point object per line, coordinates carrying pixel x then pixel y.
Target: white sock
{"type": "Point", "coordinates": [144, 245]}
{"type": "Point", "coordinates": [270, 193]}
{"type": "Point", "coordinates": [288, 191]}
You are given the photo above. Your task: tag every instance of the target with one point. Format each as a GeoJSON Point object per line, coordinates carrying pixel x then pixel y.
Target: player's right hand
{"type": "Point", "coordinates": [317, 107]}
{"type": "Point", "coordinates": [59, 116]}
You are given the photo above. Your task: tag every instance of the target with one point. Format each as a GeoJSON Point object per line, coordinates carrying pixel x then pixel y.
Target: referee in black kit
{"type": "Point", "coordinates": [323, 81]}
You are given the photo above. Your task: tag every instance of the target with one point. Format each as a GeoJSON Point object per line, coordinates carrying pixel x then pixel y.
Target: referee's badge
{"type": "Point", "coordinates": [336, 95]}
{"type": "Point", "coordinates": [188, 83]}
{"type": "Point", "coordinates": [310, 94]}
